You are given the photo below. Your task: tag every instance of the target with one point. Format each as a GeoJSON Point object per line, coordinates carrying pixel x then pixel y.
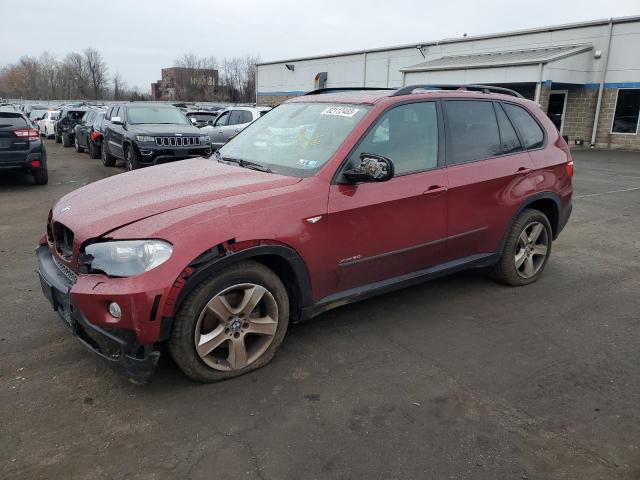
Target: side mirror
{"type": "Point", "coordinates": [372, 168]}
{"type": "Point", "coordinates": [117, 121]}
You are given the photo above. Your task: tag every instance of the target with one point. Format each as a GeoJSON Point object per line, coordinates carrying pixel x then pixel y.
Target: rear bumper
{"type": "Point", "coordinates": [21, 159]}
{"type": "Point", "coordinates": [565, 214]}
{"type": "Point", "coordinates": [134, 361]}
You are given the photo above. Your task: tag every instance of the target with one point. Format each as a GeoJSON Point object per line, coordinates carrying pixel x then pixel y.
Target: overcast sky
{"type": "Point", "coordinates": [138, 38]}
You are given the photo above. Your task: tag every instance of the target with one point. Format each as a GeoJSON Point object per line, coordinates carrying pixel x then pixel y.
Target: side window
{"type": "Point", "coordinates": [115, 112]}
{"type": "Point", "coordinates": [235, 118]}
{"type": "Point", "coordinates": [472, 131]}
{"type": "Point", "coordinates": [510, 142]}
{"type": "Point", "coordinates": [531, 133]}
{"type": "Point", "coordinates": [246, 116]}
{"type": "Point", "coordinates": [222, 119]}
{"type": "Point", "coordinates": [627, 112]}
{"type": "Point", "coordinates": [407, 134]}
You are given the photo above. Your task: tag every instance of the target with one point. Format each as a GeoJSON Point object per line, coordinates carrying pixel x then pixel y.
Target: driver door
{"type": "Point", "coordinates": [388, 229]}
{"type": "Point", "coordinates": [217, 135]}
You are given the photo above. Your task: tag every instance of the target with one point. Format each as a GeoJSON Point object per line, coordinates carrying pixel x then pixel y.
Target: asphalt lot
{"type": "Point", "coordinates": [456, 379]}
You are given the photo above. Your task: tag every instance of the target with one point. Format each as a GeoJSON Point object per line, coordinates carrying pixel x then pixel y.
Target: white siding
{"type": "Point", "coordinates": [383, 67]}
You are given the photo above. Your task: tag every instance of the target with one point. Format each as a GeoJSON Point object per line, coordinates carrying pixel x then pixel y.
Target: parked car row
{"type": "Point", "coordinates": [144, 134]}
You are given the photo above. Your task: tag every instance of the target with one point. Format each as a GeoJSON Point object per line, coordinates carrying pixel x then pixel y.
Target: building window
{"type": "Point", "coordinates": [625, 118]}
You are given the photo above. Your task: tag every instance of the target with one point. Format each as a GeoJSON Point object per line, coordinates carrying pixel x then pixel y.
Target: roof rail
{"type": "Point", "coordinates": [320, 91]}
{"type": "Point", "coordinates": [476, 88]}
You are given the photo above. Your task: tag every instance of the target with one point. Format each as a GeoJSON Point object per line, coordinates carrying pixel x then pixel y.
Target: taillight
{"type": "Point", "coordinates": [569, 167]}
{"type": "Point", "coordinates": [95, 135]}
{"type": "Point", "coordinates": [30, 134]}
{"type": "Point", "coordinates": [36, 163]}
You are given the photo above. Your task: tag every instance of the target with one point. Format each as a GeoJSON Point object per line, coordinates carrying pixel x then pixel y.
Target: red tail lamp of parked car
{"type": "Point", "coordinates": [570, 168]}
{"type": "Point", "coordinates": [95, 135]}
{"type": "Point", "coordinates": [30, 134]}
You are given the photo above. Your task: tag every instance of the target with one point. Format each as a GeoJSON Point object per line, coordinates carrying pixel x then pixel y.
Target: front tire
{"type": "Point", "coordinates": [230, 324]}
{"type": "Point", "coordinates": [66, 140]}
{"type": "Point", "coordinates": [41, 176]}
{"type": "Point", "coordinates": [58, 138]}
{"type": "Point", "coordinates": [131, 159]}
{"type": "Point", "coordinates": [526, 250]}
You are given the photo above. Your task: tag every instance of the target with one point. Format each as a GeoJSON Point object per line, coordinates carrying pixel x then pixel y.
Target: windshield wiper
{"type": "Point", "coordinates": [244, 163]}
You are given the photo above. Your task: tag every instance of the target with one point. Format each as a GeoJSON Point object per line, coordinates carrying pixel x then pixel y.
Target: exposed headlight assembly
{"type": "Point", "coordinates": [126, 258]}
{"type": "Point", "coordinates": [205, 138]}
{"type": "Point", "coordinates": [145, 138]}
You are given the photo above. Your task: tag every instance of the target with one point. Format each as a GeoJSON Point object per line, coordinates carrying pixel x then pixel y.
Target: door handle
{"type": "Point", "coordinates": [523, 170]}
{"type": "Point", "coordinates": [434, 189]}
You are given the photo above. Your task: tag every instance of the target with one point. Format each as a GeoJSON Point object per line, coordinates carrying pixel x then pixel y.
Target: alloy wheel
{"type": "Point", "coordinates": [531, 249]}
{"type": "Point", "coordinates": [236, 327]}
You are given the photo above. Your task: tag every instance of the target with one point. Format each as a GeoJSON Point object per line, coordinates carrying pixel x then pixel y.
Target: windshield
{"type": "Point", "coordinates": [37, 113]}
{"type": "Point", "coordinates": [151, 114]}
{"type": "Point", "coordinates": [295, 138]}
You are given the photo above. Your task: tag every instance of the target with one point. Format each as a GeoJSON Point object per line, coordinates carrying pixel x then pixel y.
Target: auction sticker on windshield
{"type": "Point", "coordinates": [340, 111]}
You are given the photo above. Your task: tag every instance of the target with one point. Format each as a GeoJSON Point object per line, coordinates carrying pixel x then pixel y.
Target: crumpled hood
{"type": "Point", "coordinates": [102, 206]}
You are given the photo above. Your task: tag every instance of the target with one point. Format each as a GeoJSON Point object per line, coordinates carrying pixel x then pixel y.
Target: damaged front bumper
{"type": "Point", "coordinates": [134, 361]}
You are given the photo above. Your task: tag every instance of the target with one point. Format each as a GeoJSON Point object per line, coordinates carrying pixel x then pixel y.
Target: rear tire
{"type": "Point", "coordinates": [41, 176]}
{"type": "Point", "coordinates": [108, 160]}
{"type": "Point", "coordinates": [94, 150]}
{"type": "Point", "coordinates": [256, 338]}
{"type": "Point", "coordinates": [58, 138]}
{"type": "Point", "coordinates": [66, 141]}
{"type": "Point", "coordinates": [526, 250]}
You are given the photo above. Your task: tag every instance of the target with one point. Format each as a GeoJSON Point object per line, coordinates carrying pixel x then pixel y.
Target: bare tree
{"type": "Point", "coordinates": [119, 86]}
{"type": "Point", "coordinates": [96, 71]}
{"type": "Point", "coordinates": [50, 73]}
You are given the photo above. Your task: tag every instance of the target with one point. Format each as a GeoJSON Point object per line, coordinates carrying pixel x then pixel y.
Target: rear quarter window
{"type": "Point", "coordinates": [531, 133]}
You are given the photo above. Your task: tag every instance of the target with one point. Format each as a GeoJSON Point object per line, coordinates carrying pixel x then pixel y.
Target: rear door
{"type": "Point", "coordinates": [487, 168]}
{"type": "Point", "coordinates": [235, 124]}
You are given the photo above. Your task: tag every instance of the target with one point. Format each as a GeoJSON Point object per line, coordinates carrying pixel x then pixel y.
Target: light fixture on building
{"type": "Point", "coordinates": [290, 66]}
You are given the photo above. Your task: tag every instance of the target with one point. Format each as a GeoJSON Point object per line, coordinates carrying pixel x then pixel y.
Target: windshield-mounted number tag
{"type": "Point", "coordinates": [308, 163]}
{"type": "Point", "coordinates": [340, 111]}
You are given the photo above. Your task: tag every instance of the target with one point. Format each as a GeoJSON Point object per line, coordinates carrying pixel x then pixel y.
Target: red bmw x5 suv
{"type": "Point", "coordinates": [330, 198]}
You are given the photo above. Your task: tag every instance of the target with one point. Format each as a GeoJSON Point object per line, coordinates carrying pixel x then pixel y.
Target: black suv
{"type": "Point", "coordinates": [21, 147]}
{"type": "Point", "coordinates": [148, 134]}
{"type": "Point", "coordinates": [64, 129]}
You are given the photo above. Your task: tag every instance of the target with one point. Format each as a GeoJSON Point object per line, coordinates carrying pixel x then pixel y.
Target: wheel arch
{"type": "Point", "coordinates": [545, 202]}
{"type": "Point", "coordinates": [283, 260]}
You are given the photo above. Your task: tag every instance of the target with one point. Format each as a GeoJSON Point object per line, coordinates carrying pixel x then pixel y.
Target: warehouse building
{"type": "Point", "coordinates": [586, 76]}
